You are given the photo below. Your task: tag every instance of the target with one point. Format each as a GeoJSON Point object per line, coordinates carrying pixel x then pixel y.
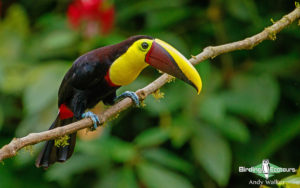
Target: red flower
{"type": "Point", "coordinates": [93, 16]}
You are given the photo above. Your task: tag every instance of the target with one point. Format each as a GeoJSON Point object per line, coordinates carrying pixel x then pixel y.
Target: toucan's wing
{"type": "Point", "coordinates": [86, 73]}
{"type": "Point", "coordinates": [110, 99]}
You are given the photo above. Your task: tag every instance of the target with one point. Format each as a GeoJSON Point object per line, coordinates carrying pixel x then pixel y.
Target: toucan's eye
{"type": "Point", "coordinates": [145, 45]}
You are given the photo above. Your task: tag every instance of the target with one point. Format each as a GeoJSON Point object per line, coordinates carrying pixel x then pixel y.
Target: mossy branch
{"type": "Point", "coordinates": [268, 33]}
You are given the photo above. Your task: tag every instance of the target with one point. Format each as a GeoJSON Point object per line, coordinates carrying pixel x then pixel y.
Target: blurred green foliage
{"type": "Point", "coordinates": [249, 108]}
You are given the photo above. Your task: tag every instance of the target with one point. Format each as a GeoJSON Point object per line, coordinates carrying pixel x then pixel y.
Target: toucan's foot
{"type": "Point", "coordinates": [94, 118]}
{"type": "Point", "coordinates": [130, 94]}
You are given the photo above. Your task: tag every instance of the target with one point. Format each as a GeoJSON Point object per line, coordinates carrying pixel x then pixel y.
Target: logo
{"type": "Point", "coordinates": [265, 170]}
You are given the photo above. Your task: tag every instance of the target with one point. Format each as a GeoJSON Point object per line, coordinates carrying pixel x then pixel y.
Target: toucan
{"type": "Point", "coordinates": [96, 75]}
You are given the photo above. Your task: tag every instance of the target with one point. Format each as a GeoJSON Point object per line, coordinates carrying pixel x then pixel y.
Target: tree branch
{"type": "Point", "coordinates": [16, 144]}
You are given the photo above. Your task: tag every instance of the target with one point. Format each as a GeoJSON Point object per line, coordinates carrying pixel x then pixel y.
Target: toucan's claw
{"type": "Point", "coordinates": [130, 94]}
{"type": "Point", "coordinates": [94, 118]}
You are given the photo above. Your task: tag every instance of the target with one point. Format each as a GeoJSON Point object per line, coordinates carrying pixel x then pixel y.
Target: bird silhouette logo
{"type": "Point", "coordinates": [266, 168]}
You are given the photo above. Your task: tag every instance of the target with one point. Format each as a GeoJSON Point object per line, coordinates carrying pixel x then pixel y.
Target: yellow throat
{"type": "Point", "coordinates": [128, 66]}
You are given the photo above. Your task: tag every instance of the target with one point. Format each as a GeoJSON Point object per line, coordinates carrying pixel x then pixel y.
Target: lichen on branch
{"type": "Point", "coordinates": [61, 141]}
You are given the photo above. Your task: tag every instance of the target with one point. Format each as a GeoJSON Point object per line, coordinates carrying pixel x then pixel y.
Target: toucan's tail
{"type": "Point", "coordinates": [50, 153]}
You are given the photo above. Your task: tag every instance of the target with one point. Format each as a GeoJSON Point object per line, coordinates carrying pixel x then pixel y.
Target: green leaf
{"type": "Point", "coordinates": [165, 17]}
{"type": "Point", "coordinates": [52, 22]}
{"type": "Point", "coordinates": [14, 75]}
{"type": "Point", "coordinates": [1, 117]}
{"type": "Point", "coordinates": [53, 45]}
{"type": "Point", "coordinates": [121, 151]}
{"type": "Point", "coordinates": [168, 159]}
{"type": "Point", "coordinates": [44, 87]}
{"type": "Point", "coordinates": [11, 47]}
{"type": "Point", "coordinates": [33, 123]}
{"type": "Point", "coordinates": [175, 40]}
{"type": "Point", "coordinates": [283, 65]}
{"type": "Point", "coordinates": [155, 176]}
{"type": "Point", "coordinates": [1, 73]}
{"type": "Point", "coordinates": [16, 21]}
{"type": "Point", "coordinates": [282, 133]}
{"type": "Point", "coordinates": [120, 178]}
{"type": "Point", "coordinates": [255, 97]}
{"type": "Point", "coordinates": [109, 180]}
{"type": "Point", "coordinates": [234, 129]}
{"type": "Point", "coordinates": [212, 152]}
{"type": "Point", "coordinates": [290, 181]}
{"type": "Point", "coordinates": [25, 156]}
{"type": "Point", "coordinates": [128, 179]}
{"type": "Point", "coordinates": [63, 173]}
{"type": "Point", "coordinates": [244, 10]}
{"type": "Point", "coordinates": [40, 94]}
{"type": "Point", "coordinates": [205, 71]}
{"type": "Point", "coordinates": [212, 109]}
{"type": "Point", "coordinates": [170, 102]}
{"type": "Point", "coordinates": [151, 137]}
{"type": "Point", "coordinates": [7, 177]}
{"type": "Point", "coordinates": [57, 40]}
{"type": "Point", "coordinates": [40, 97]}
{"type": "Point", "coordinates": [141, 7]}
{"type": "Point", "coordinates": [291, 92]}
{"type": "Point", "coordinates": [13, 31]}
{"type": "Point", "coordinates": [181, 130]}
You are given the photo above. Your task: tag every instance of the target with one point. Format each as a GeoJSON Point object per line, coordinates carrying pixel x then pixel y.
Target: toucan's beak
{"type": "Point", "coordinates": [167, 59]}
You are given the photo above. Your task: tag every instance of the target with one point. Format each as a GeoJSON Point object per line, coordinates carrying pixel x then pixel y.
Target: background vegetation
{"type": "Point", "coordinates": [249, 108]}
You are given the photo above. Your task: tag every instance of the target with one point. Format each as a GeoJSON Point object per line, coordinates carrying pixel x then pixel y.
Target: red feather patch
{"type": "Point", "coordinates": [108, 80]}
{"type": "Point", "coordinates": [65, 112]}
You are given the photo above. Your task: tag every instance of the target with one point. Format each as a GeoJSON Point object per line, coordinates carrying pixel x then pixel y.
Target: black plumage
{"type": "Point", "coordinates": [83, 86]}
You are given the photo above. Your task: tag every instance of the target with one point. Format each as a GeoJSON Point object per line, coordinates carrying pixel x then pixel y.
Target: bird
{"type": "Point", "coordinates": [96, 75]}
{"type": "Point", "coordinates": [266, 168]}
